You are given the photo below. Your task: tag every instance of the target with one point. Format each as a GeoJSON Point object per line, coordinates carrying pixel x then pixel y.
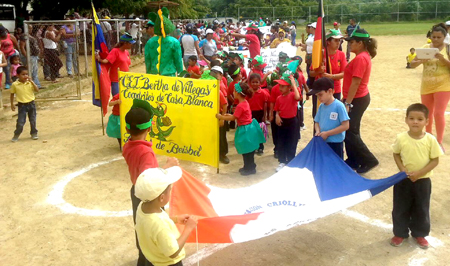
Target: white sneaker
{"type": "Point", "coordinates": [280, 166]}
{"type": "Point", "coordinates": [303, 128]}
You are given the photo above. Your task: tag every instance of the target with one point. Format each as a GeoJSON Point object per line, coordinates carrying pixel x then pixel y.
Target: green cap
{"type": "Point", "coordinates": [335, 34]}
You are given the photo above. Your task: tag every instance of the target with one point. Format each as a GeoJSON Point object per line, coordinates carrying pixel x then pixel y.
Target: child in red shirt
{"type": "Point", "coordinates": [248, 134]}
{"type": "Point", "coordinates": [239, 60]}
{"type": "Point", "coordinates": [138, 152]}
{"type": "Point", "coordinates": [193, 68]}
{"type": "Point", "coordinates": [258, 66]}
{"type": "Point", "coordinates": [286, 118]}
{"type": "Point", "coordinates": [235, 73]}
{"type": "Point", "coordinates": [113, 127]}
{"type": "Point", "coordinates": [258, 105]}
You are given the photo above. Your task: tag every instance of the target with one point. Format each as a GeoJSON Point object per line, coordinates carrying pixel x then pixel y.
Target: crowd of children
{"type": "Point", "coordinates": [248, 103]}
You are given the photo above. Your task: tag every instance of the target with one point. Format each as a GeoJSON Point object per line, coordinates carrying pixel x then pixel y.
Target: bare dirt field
{"type": "Point", "coordinates": [90, 224]}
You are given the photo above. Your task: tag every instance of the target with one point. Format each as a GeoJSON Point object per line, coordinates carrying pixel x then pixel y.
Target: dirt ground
{"type": "Point", "coordinates": [35, 232]}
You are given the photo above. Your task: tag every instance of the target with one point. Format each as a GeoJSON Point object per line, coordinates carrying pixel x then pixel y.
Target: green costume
{"type": "Point", "coordinates": [163, 52]}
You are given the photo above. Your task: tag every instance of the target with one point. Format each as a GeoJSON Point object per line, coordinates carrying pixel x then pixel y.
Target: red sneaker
{"type": "Point", "coordinates": [397, 241]}
{"type": "Point", "coordinates": [422, 242]}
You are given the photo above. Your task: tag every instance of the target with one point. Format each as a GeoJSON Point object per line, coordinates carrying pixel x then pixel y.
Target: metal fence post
{"type": "Point", "coordinates": [292, 13]}
{"type": "Point", "coordinates": [27, 44]}
{"type": "Point", "coordinates": [436, 12]}
{"type": "Point", "coordinates": [309, 14]}
{"type": "Point", "coordinates": [398, 11]}
{"type": "Point", "coordinates": [418, 7]}
{"type": "Point", "coordinates": [85, 49]}
{"type": "Point", "coordinates": [117, 30]}
{"type": "Point", "coordinates": [273, 13]}
{"type": "Point", "coordinates": [341, 14]}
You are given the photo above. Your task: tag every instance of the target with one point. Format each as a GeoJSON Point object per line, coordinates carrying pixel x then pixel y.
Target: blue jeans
{"type": "Point", "coordinates": [34, 69]}
{"type": "Point", "coordinates": [293, 35]}
{"type": "Point", "coordinates": [114, 88]}
{"type": "Point", "coordinates": [7, 71]}
{"type": "Point", "coordinates": [24, 109]}
{"type": "Point", "coordinates": [71, 58]}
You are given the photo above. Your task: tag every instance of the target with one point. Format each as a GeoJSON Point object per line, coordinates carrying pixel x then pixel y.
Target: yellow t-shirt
{"type": "Point", "coordinates": [24, 91]}
{"type": "Point", "coordinates": [417, 153]}
{"type": "Point", "coordinates": [436, 75]}
{"type": "Point", "coordinates": [277, 41]}
{"type": "Point", "coordinates": [411, 57]}
{"type": "Point", "coordinates": [157, 235]}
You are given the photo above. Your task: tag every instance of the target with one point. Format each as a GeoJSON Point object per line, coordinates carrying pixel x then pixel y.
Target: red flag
{"type": "Point", "coordinates": [101, 84]}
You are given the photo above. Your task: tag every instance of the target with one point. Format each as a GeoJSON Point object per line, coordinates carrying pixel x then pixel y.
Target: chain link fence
{"type": "Point", "coordinates": [364, 12]}
{"type": "Point", "coordinates": [59, 52]}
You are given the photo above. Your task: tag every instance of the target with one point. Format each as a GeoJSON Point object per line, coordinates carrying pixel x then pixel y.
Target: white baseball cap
{"type": "Point", "coordinates": [313, 25]}
{"type": "Point", "coordinates": [208, 31]}
{"type": "Point", "coordinates": [217, 68]}
{"type": "Point", "coordinates": [153, 181]}
{"type": "Point", "coordinates": [447, 23]}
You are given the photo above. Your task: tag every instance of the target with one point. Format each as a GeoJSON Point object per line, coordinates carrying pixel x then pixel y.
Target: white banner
{"type": "Point", "coordinates": [270, 56]}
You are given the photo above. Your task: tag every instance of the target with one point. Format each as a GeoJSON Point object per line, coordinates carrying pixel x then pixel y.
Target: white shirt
{"type": "Point", "coordinates": [134, 30]}
{"type": "Point", "coordinates": [188, 41]}
{"type": "Point", "coordinates": [309, 44]}
{"type": "Point", "coordinates": [48, 43]}
{"type": "Point", "coordinates": [447, 39]}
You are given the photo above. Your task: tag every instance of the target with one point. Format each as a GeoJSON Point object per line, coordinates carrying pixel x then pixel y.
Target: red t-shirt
{"type": "Point", "coordinates": [259, 98]}
{"type": "Point", "coordinates": [139, 156]}
{"type": "Point", "coordinates": [224, 86]}
{"type": "Point", "coordinates": [286, 105]}
{"type": "Point", "coordinates": [223, 100]}
{"type": "Point", "coordinates": [254, 47]}
{"type": "Point", "coordinates": [301, 82]}
{"type": "Point", "coordinates": [261, 74]}
{"type": "Point", "coordinates": [338, 63]}
{"type": "Point", "coordinates": [243, 114]}
{"type": "Point", "coordinates": [194, 69]}
{"type": "Point", "coordinates": [116, 108]}
{"type": "Point", "coordinates": [274, 93]}
{"type": "Point", "coordinates": [118, 59]}
{"type": "Point", "coordinates": [231, 91]}
{"type": "Point", "coordinates": [243, 73]}
{"type": "Point", "coordinates": [359, 67]}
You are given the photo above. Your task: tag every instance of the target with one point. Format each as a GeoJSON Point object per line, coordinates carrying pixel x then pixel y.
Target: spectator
{"type": "Point", "coordinates": [8, 44]}
{"type": "Point", "coordinates": [51, 56]}
{"type": "Point", "coordinates": [350, 28]}
{"type": "Point", "coordinates": [190, 45]}
{"type": "Point", "coordinates": [35, 51]}
{"type": "Point", "coordinates": [69, 33]}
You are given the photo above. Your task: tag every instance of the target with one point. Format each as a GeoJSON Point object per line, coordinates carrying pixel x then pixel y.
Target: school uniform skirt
{"type": "Point", "coordinates": [248, 137]}
{"type": "Point", "coordinates": [113, 127]}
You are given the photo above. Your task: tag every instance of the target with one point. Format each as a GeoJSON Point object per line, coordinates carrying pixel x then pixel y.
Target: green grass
{"type": "Point", "coordinates": [387, 28]}
{"type": "Point", "coordinates": [395, 28]}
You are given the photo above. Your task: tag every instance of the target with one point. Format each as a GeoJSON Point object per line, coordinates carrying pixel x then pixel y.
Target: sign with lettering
{"type": "Point", "coordinates": [183, 123]}
{"type": "Point", "coordinates": [270, 56]}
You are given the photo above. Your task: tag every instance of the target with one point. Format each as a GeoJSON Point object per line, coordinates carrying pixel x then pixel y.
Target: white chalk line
{"type": "Point", "coordinates": [55, 197]}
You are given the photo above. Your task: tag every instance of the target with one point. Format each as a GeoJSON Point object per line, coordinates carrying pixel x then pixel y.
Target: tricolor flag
{"type": "Point", "coordinates": [320, 42]}
{"type": "Point", "coordinates": [101, 84]}
{"type": "Point", "coordinates": [315, 184]}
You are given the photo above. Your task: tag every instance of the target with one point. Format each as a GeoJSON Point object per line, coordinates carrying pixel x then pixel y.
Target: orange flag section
{"type": "Point", "coordinates": [317, 53]}
{"type": "Point", "coordinates": [190, 196]}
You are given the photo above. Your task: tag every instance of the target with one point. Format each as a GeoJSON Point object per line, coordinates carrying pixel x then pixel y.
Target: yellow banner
{"type": "Point", "coordinates": [184, 123]}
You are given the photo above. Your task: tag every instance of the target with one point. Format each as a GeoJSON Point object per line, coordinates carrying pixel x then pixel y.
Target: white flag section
{"type": "Point", "coordinates": [315, 184]}
{"type": "Point", "coordinates": [270, 56]}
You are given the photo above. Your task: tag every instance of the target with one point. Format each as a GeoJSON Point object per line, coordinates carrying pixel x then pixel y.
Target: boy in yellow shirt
{"type": "Point", "coordinates": [410, 57]}
{"type": "Point", "coordinates": [158, 236]}
{"type": "Point", "coordinates": [23, 87]}
{"type": "Point", "coordinates": [416, 153]}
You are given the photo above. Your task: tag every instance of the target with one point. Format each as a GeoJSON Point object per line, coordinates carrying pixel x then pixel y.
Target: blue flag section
{"type": "Point", "coordinates": [317, 183]}
{"type": "Point", "coordinates": [101, 83]}
{"type": "Point", "coordinates": [333, 177]}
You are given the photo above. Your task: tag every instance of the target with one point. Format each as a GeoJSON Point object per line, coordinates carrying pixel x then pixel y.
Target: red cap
{"type": "Point", "coordinates": [335, 23]}
{"type": "Point", "coordinates": [282, 82]}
